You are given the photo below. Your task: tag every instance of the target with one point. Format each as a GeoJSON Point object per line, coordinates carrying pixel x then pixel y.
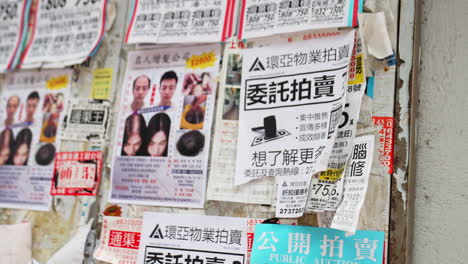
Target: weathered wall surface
{"type": "Point", "coordinates": [441, 206]}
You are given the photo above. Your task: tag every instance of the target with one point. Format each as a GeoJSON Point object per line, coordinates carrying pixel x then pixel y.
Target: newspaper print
{"type": "Point", "coordinates": [259, 18]}
{"type": "Point", "coordinates": [180, 21]}
{"type": "Point", "coordinates": [13, 17]}
{"type": "Point", "coordinates": [64, 32]}
{"type": "Point", "coordinates": [326, 189]}
{"type": "Point", "coordinates": [164, 127]}
{"type": "Point", "coordinates": [222, 168]}
{"type": "Point", "coordinates": [120, 240]}
{"type": "Point", "coordinates": [77, 173]}
{"type": "Point", "coordinates": [279, 244]}
{"type": "Point", "coordinates": [175, 238]}
{"type": "Point", "coordinates": [291, 197]}
{"type": "Point", "coordinates": [356, 181]}
{"type": "Point", "coordinates": [31, 118]}
{"type": "Point", "coordinates": [87, 121]}
{"type": "Point", "coordinates": [291, 100]}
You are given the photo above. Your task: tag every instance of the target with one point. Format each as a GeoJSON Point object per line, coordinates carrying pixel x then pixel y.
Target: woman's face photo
{"type": "Point", "coordinates": [157, 144]}
{"type": "Point", "coordinates": [21, 155]}
{"type": "Point", "coordinates": [133, 144]}
{"type": "Point", "coordinates": [4, 154]}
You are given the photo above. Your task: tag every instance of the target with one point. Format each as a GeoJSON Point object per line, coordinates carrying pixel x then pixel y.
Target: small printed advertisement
{"type": "Point", "coordinates": [64, 32]}
{"type": "Point", "coordinates": [77, 173]}
{"type": "Point", "coordinates": [291, 99]}
{"type": "Point", "coordinates": [164, 127]}
{"type": "Point", "coordinates": [282, 244]}
{"type": "Point", "coordinates": [12, 24]}
{"type": "Point", "coordinates": [180, 21]}
{"type": "Point", "coordinates": [34, 106]}
{"type": "Point", "coordinates": [260, 18]}
{"type": "Point", "coordinates": [176, 238]}
{"type": "Point", "coordinates": [120, 240]}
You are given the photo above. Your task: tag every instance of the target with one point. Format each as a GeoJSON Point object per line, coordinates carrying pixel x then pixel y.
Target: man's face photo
{"type": "Point", "coordinates": [12, 106]}
{"type": "Point", "coordinates": [31, 106]}
{"type": "Point", "coordinates": [140, 88]}
{"type": "Point", "coordinates": [167, 89]}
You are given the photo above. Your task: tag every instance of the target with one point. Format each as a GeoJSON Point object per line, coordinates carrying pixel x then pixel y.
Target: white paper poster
{"type": "Point", "coordinates": [292, 195]}
{"type": "Point", "coordinates": [31, 118]}
{"type": "Point", "coordinates": [176, 238]}
{"type": "Point", "coordinates": [164, 127]}
{"type": "Point", "coordinates": [223, 162]}
{"type": "Point", "coordinates": [180, 21]}
{"type": "Point", "coordinates": [259, 18]}
{"type": "Point", "coordinates": [17, 245]}
{"type": "Point", "coordinates": [87, 121]}
{"type": "Point", "coordinates": [64, 32]}
{"type": "Point", "coordinates": [291, 100]}
{"type": "Point", "coordinates": [13, 22]}
{"type": "Point", "coordinates": [327, 187]}
{"type": "Point", "coordinates": [355, 184]}
{"type": "Point", "coordinates": [120, 240]}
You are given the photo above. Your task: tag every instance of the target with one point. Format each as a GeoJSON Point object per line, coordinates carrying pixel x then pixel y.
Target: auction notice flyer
{"type": "Point", "coordinates": [164, 128]}
{"type": "Point", "coordinates": [291, 100]}
{"type": "Point", "coordinates": [31, 118]}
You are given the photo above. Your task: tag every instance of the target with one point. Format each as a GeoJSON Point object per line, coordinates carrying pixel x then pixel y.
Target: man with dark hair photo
{"type": "Point", "coordinates": [31, 105]}
{"type": "Point", "coordinates": [167, 87]}
{"type": "Point", "coordinates": [141, 86]}
{"type": "Point", "coordinates": [11, 108]}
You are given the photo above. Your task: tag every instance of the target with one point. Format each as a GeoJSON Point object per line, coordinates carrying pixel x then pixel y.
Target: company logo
{"type": "Point", "coordinates": [157, 233]}
{"type": "Point", "coordinates": [257, 66]}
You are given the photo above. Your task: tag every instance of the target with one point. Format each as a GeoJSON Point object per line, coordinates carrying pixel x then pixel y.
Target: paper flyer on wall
{"type": "Point", "coordinates": [34, 105]}
{"type": "Point", "coordinates": [164, 126]}
{"type": "Point", "coordinates": [259, 18]}
{"type": "Point", "coordinates": [176, 238]}
{"type": "Point", "coordinates": [356, 181]}
{"type": "Point", "coordinates": [64, 32]}
{"type": "Point", "coordinates": [326, 189]}
{"type": "Point", "coordinates": [120, 240]}
{"type": "Point", "coordinates": [17, 245]}
{"type": "Point", "coordinates": [291, 196]}
{"type": "Point", "coordinates": [278, 244]}
{"type": "Point", "coordinates": [223, 164]}
{"type": "Point", "coordinates": [87, 121]}
{"type": "Point", "coordinates": [77, 173]}
{"type": "Point", "coordinates": [13, 17]}
{"type": "Point", "coordinates": [290, 103]}
{"type": "Point", "coordinates": [180, 21]}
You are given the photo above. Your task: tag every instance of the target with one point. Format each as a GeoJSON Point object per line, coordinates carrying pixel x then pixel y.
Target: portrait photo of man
{"type": "Point", "coordinates": [141, 86]}
{"type": "Point", "coordinates": [11, 108]}
{"type": "Point", "coordinates": [31, 105]}
{"type": "Point", "coordinates": [167, 87]}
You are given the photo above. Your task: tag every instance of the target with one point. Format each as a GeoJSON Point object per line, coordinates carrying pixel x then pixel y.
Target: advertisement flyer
{"type": "Point", "coordinates": [223, 168]}
{"type": "Point", "coordinates": [280, 244]}
{"type": "Point", "coordinates": [77, 173]}
{"type": "Point", "coordinates": [120, 240]}
{"type": "Point", "coordinates": [291, 100]}
{"type": "Point", "coordinates": [356, 181]}
{"type": "Point", "coordinates": [164, 127]}
{"type": "Point", "coordinates": [34, 105]}
{"type": "Point", "coordinates": [260, 18]}
{"type": "Point", "coordinates": [87, 121]}
{"type": "Point", "coordinates": [64, 32]}
{"type": "Point", "coordinates": [180, 21]}
{"type": "Point", "coordinates": [176, 238]}
{"type": "Point", "coordinates": [327, 186]}
{"type": "Point", "coordinates": [13, 21]}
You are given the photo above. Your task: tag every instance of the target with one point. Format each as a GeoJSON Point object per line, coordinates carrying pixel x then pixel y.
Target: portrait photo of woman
{"type": "Point", "coordinates": [158, 135]}
{"type": "Point", "coordinates": [22, 147]}
{"type": "Point", "coordinates": [6, 145]}
{"type": "Point", "coordinates": [133, 139]}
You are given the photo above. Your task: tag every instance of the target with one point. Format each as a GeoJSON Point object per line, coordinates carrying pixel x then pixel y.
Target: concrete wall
{"type": "Point", "coordinates": [441, 215]}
